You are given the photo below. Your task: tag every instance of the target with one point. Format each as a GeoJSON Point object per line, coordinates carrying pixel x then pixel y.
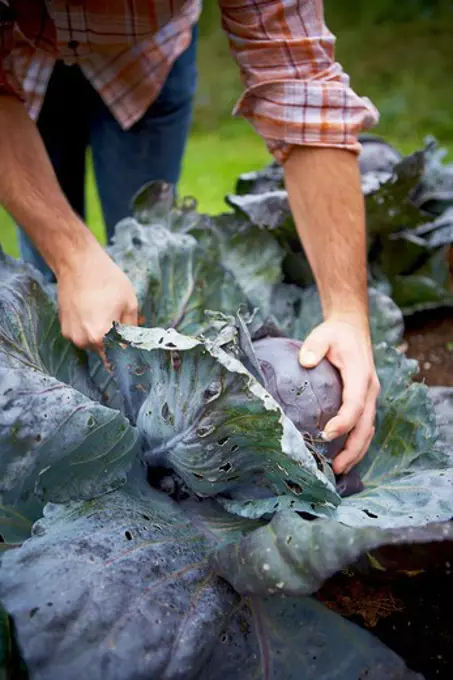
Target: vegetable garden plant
{"type": "Point", "coordinates": [172, 515]}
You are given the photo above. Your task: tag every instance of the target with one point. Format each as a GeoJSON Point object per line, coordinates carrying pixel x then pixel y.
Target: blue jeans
{"type": "Point", "coordinates": [73, 117]}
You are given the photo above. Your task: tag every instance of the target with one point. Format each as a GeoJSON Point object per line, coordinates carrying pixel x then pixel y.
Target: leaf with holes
{"type": "Point", "coordinates": [201, 413]}
{"type": "Point", "coordinates": [408, 480]}
{"type": "Point", "coordinates": [56, 441]}
{"type": "Point", "coordinates": [294, 556]}
{"type": "Point", "coordinates": [127, 591]}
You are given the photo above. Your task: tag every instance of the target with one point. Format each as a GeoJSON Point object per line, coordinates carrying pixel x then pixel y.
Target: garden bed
{"type": "Point", "coordinates": [429, 336]}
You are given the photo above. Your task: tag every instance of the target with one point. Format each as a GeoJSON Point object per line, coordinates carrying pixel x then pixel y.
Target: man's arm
{"type": "Point", "coordinates": [92, 291]}
{"type": "Point", "coordinates": [298, 99]}
{"type": "Point", "coordinates": [328, 208]}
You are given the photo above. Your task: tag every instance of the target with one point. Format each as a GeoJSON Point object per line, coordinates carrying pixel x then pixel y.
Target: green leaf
{"type": "Point", "coordinates": [126, 590]}
{"type": "Point", "coordinates": [269, 210]}
{"type": "Point", "coordinates": [418, 293]}
{"type": "Point", "coordinates": [56, 442]}
{"type": "Point", "coordinates": [174, 278]}
{"type": "Point", "coordinates": [226, 240]}
{"type": "Point", "coordinates": [390, 208]}
{"type": "Point", "coordinates": [434, 194]}
{"type": "Point", "coordinates": [427, 288]}
{"type": "Point", "coordinates": [153, 202]}
{"type": "Point", "coordinates": [294, 556]}
{"type": "Point", "coordinates": [252, 255]}
{"type": "Point", "coordinates": [201, 413]}
{"type": "Point", "coordinates": [15, 524]}
{"type": "Point", "coordinates": [407, 478]}
{"type": "Point", "coordinates": [298, 312]}
{"type": "Point", "coordinates": [401, 254]}
{"type": "Point", "coordinates": [30, 336]}
{"type": "Point", "coordinates": [439, 232]}
{"type": "Point", "coordinates": [269, 178]}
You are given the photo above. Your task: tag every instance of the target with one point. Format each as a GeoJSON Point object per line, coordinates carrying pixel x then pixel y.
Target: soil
{"type": "Point", "coordinates": [429, 338]}
{"type": "Point", "coordinates": [412, 616]}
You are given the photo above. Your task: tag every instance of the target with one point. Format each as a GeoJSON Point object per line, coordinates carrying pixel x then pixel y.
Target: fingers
{"type": "Point", "coordinates": [314, 348]}
{"type": "Point", "coordinates": [130, 315]}
{"type": "Point", "coordinates": [350, 353]}
{"type": "Point", "coordinates": [359, 440]}
{"type": "Point", "coordinates": [85, 336]}
{"type": "Point", "coordinates": [89, 333]}
{"type": "Point", "coordinates": [355, 391]}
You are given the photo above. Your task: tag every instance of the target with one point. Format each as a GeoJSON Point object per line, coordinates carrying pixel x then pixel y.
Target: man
{"type": "Point", "coordinates": [298, 99]}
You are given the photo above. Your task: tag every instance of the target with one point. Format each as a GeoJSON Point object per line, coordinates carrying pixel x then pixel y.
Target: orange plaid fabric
{"type": "Point", "coordinates": [295, 91]}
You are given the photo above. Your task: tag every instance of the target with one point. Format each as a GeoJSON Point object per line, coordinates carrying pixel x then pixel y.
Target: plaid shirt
{"type": "Point", "coordinates": [295, 92]}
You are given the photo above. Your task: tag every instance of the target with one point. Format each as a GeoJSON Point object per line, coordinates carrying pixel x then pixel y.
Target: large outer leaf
{"type": "Point", "coordinates": [203, 414]}
{"type": "Point", "coordinates": [252, 255]}
{"type": "Point", "coordinates": [227, 239]}
{"type": "Point", "coordinates": [295, 556]}
{"type": "Point", "coordinates": [55, 442]}
{"type": "Point", "coordinates": [126, 592]}
{"type": "Point", "coordinates": [408, 479]}
{"type": "Point", "coordinates": [175, 279]}
{"type": "Point", "coordinates": [30, 336]}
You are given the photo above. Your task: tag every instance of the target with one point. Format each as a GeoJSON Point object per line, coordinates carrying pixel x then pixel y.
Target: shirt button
{"type": "Point", "coordinates": [73, 44]}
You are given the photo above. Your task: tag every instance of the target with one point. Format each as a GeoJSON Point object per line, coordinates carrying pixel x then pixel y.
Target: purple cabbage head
{"type": "Point", "coordinates": [310, 397]}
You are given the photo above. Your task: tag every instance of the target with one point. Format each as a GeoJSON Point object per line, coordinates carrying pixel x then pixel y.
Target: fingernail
{"type": "Point", "coordinates": [308, 357]}
{"type": "Point", "coordinates": [329, 435]}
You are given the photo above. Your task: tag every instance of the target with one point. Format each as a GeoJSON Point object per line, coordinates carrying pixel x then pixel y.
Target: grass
{"type": "Point", "coordinates": [397, 54]}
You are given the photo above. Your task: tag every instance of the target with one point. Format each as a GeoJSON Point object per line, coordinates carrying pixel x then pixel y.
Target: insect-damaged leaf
{"type": "Point", "coordinates": [200, 412]}
{"type": "Point", "coordinates": [56, 441]}
{"type": "Point", "coordinates": [127, 591]}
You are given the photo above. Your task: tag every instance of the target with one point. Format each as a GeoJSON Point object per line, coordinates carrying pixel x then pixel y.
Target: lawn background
{"type": "Point", "coordinates": [399, 54]}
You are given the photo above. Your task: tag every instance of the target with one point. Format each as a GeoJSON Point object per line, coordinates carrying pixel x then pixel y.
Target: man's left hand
{"type": "Point", "coordinates": [345, 342]}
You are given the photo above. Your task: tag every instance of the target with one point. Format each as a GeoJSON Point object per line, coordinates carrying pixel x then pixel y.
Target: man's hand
{"type": "Point", "coordinates": [345, 342]}
{"type": "Point", "coordinates": [328, 208]}
{"type": "Point", "coordinates": [93, 292]}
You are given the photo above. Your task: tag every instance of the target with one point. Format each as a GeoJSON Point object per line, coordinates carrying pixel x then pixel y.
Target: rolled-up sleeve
{"type": "Point", "coordinates": [296, 93]}
{"type": "Point", "coordinates": [8, 82]}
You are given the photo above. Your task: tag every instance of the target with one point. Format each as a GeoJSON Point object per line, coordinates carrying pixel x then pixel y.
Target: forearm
{"type": "Point", "coordinates": [328, 208]}
{"type": "Point", "coordinates": [29, 190]}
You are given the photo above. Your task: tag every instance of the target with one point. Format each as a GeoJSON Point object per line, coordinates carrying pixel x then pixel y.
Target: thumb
{"type": "Point", "coordinates": [314, 348]}
{"type": "Point", "coordinates": [130, 316]}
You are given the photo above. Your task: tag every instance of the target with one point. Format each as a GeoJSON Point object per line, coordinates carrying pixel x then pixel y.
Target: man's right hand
{"type": "Point", "coordinates": [93, 292]}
